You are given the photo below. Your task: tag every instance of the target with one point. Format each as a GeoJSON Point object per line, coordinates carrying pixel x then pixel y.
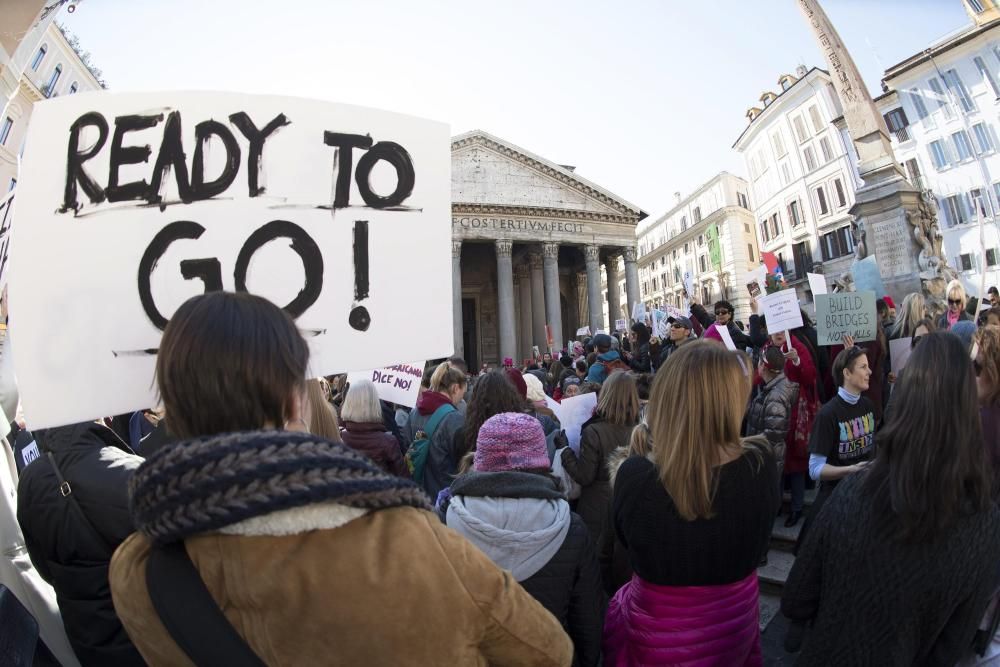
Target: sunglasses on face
{"type": "Point", "coordinates": [677, 326]}
{"type": "Point", "coordinates": [955, 302]}
{"type": "Point", "coordinates": [719, 313]}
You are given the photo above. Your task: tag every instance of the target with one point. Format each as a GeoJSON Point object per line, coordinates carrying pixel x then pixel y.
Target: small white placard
{"type": "Point", "coordinates": [781, 310]}
{"type": "Point", "coordinates": [399, 383]}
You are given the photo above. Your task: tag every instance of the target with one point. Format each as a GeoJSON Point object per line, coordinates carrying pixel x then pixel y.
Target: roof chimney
{"type": "Point", "coordinates": [801, 71]}
{"type": "Point", "coordinates": [677, 198]}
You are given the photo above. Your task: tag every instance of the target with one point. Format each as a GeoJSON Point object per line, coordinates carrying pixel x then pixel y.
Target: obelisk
{"type": "Point", "coordinates": [896, 223]}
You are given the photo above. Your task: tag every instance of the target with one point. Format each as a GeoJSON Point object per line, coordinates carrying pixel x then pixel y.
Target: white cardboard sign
{"type": "Point", "coordinates": [727, 338]}
{"type": "Point", "coordinates": [573, 412]}
{"type": "Point", "coordinates": [139, 201]}
{"type": "Point", "coordinates": [6, 220]}
{"type": "Point", "coordinates": [817, 284]}
{"type": "Point", "coordinates": [781, 310]}
{"type": "Point", "coordinates": [399, 383]}
{"type": "Point", "coordinates": [583, 331]}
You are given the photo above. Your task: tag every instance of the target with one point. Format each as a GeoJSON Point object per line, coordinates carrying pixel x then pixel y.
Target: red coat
{"type": "Point", "coordinates": [804, 412]}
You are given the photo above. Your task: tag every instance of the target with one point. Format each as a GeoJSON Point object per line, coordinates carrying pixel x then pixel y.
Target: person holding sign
{"type": "Point", "coordinates": [800, 369]}
{"type": "Point", "coordinates": [312, 548]}
{"type": "Point", "coordinates": [901, 563]}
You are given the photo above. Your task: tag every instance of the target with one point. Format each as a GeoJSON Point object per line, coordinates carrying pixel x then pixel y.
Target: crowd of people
{"type": "Point", "coordinates": [261, 517]}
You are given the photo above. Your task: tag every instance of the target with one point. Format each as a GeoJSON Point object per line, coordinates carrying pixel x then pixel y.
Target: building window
{"type": "Point", "coordinates": [963, 147]}
{"type": "Point", "coordinates": [956, 210]}
{"type": "Point", "coordinates": [702, 264]}
{"type": "Point", "coordinates": [764, 235]}
{"type": "Point", "coordinates": [750, 253]}
{"type": "Point", "coordinates": [684, 223]}
{"type": "Point", "coordinates": [39, 56]}
{"type": "Point", "coordinates": [965, 262]}
{"type": "Point", "coordinates": [987, 76]}
{"type": "Point", "coordinates": [800, 129]}
{"type": "Point", "coordinates": [786, 173]}
{"type": "Point", "coordinates": [675, 253]}
{"type": "Point", "coordinates": [918, 104]}
{"type": "Point", "coordinates": [741, 198]}
{"type": "Point", "coordinates": [996, 191]}
{"type": "Point", "coordinates": [701, 239]}
{"type": "Point", "coordinates": [954, 82]}
{"type": "Point", "coordinates": [697, 214]}
{"type": "Point", "coordinates": [991, 257]}
{"type": "Point", "coordinates": [816, 120]}
{"type": "Point", "coordinates": [706, 294]}
{"type": "Point", "coordinates": [841, 195]}
{"type": "Point", "coordinates": [913, 173]}
{"type": "Point", "coordinates": [746, 228]}
{"type": "Point", "coordinates": [837, 244]}
{"type": "Point", "coordinates": [984, 142]}
{"type": "Point", "coordinates": [677, 274]}
{"type": "Point", "coordinates": [775, 225]}
{"type": "Point", "coordinates": [897, 122]}
{"type": "Point", "coordinates": [825, 149]}
{"type": "Point", "coordinates": [12, 184]}
{"type": "Point", "coordinates": [50, 87]}
{"type": "Point", "coordinates": [794, 216]}
{"type": "Point", "coordinates": [978, 205]}
{"type": "Point", "coordinates": [663, 280]}
{"type": "Point", "coordinates": [654, 284]}
{"type": "Point", "coordinates": [8, 123]}
{"type": "Point", "coordinates": [687, 248]}
{"type": "Point", "coordinates": [976, 6]}
{"type": "Point", "coordinates": [810, 158]}
{"type": "Point", "coordinates": [779, 145]}
{"type": "Point", "coordinates": [939, 156]}
{"type": "Point", "coordinates": [803, 258]}
{"type": "Point", "coordinates": [942, 99]}
{"type": "Point", "coordinates": [73, 88]}
{"type": "Point", "coordinates": [824, 208]}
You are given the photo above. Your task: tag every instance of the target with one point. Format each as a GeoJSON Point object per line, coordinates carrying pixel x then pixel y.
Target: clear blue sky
{"type": "Point", "coordinates": [646, 97]}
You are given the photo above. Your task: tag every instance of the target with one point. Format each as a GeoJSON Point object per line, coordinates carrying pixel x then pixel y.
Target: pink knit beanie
{"type": "Point", "coordinates": [510, 441]}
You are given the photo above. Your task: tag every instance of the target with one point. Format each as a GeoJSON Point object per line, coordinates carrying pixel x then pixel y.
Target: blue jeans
{"type": "Point", "coordinates": [797, 482]}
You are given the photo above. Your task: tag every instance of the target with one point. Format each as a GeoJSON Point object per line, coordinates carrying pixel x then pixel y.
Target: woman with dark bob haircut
{"type": "Point", "coordinates": [901, 562]}
{"type": "Point", "coordinates": [308, 545]}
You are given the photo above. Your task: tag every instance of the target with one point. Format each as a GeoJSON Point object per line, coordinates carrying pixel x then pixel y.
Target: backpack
{"type": "Point", "coordinates": [416, 455]}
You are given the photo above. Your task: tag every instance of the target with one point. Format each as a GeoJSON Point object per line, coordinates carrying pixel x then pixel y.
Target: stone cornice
{"type": "Point", "coordinates": [551, 171]}
{"type": "Point", "coordinates": [540, 212]}
{"type": "Point", "coordinates": [692, 232]}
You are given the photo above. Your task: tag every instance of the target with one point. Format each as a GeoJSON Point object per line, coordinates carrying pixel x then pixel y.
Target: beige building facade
{"type": "Point", "coordinates": [528, 237]}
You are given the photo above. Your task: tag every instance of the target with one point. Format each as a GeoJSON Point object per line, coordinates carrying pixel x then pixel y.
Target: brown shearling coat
{"type": "Point", "coordinates": [391, 587]}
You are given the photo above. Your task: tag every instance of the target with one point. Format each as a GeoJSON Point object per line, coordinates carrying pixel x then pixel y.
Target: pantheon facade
{"type": "Point", "coordinates": [532, 243]}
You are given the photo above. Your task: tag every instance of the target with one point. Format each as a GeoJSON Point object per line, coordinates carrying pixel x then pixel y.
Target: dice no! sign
{"type": "Point", "coordinates": [131, 203]}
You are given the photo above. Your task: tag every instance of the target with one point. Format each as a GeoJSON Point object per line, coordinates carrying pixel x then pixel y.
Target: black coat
{"type": "Point", "coordinates": [570, 587]}
{"type": "Point", "coordinates": [71, 552]}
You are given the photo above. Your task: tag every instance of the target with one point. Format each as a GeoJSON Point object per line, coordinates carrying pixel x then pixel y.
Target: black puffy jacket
{"type": "Point", "coordinates": [70, 551]}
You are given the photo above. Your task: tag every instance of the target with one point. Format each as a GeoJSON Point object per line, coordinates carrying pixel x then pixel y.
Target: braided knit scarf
{"type": "Point", "coordinates": [206, 484]}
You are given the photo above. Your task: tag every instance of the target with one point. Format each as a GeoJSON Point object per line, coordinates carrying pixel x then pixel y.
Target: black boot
{"type": "Point", "coordinates": [793, 518]}
{"type": "Point", "coordinates": [793, 639]}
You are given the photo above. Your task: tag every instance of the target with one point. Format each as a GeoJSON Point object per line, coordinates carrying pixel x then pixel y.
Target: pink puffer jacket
{"type": "Point", "coordinates": [698, 626]}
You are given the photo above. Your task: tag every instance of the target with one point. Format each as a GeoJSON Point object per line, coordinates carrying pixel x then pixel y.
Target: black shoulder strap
{"type": "Point", "coordinates": [66, 490]}
{"type": "Point", "coordinates": [190, 614]}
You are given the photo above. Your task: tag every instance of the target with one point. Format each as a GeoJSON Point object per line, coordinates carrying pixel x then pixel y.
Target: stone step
{"type": "Point", "coordinates": [770, 606]}
{"type": "Point", "coordinates": [772, 576]}
{"type": "Point", "coordinates": [809, 498]}
{"type": "Point", "coordinates": [783, 538]}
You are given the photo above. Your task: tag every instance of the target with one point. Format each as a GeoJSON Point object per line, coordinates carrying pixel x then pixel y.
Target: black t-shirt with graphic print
{"type": "Point", "coordinates": [844, 433]}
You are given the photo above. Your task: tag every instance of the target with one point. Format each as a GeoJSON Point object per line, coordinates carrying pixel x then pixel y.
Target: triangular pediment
{"type": "Point", "coordinates": [486, 170]}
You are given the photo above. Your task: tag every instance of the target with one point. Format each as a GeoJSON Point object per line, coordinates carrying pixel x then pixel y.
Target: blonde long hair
{"type": "Point", "coordinates": [322, 418]}
{"type": "Point", "coordinates": [618, 401]}
{"type": "Point", "coordinates": [694, 414]}
{"type": "Point", "coordinates": [911, 311]}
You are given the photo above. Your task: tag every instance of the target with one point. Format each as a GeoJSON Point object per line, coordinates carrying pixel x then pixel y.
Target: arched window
{"type": "Point", "coordinates": [39, 56]}
{"type": "Point", "coordinates": [50, 87]}
{"type": "Point", "coordinates": [73, 88]}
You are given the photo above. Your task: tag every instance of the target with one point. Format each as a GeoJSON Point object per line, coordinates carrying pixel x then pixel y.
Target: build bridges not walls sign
{"type": "Point", "coordinates": [129, 204]}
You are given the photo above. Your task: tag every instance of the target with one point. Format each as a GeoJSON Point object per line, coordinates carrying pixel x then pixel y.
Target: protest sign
{"type": "Point", "coordinates": [621, 325]}
{"type": "Point", "coordinates": [867, 277]}
{"type": "Point", "coordinates": [6, 220]}
{"type": "Point", "coordinates": [899, 350]}
{"type": "Point", "coordinates": [139, 201]}
{"type": "Point", "coordinates": [817, 284]}
{"type": "Point", "coordinates": [573, 412]}
{"type": "Point", "coordinates": [714, 247]}
{"type": "Point", "coordinates": [757, 281]}
{"type": "Point", "coordinates": [727, 337]}
{"type": "Point", "coordinates": [583, 331]}
{"type": "Point", "coordinates": [850, 313]}
{"type": "Point", "coordinates": [399, 383]}
{"type": "Point", "coordinates": [781, 310]}
{"type": "Point", "coordinates": [673, 312]}
{"type": "Point", "coordinates": [660, 326]}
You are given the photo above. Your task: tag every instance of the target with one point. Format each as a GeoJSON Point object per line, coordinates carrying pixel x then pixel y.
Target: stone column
{"type": "Point", "coordinates": [592, 253]}
{"type": "Point", "coordinates": [505, 300]}
{"type": "Point", "coordinates": [456, 298]}
{"type": "Point", "coordinates": [537, 299]}
{"type": "Point", "coordinates": [524, 309]}
{"type": "Point", "coordinates": [631, 280]}
{"type": "Point", "coordinates": [614, 302]}
{"type": "Point", "coordinates": [553, 305]}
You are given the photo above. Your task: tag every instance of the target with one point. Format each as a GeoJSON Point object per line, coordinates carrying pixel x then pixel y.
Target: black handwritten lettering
{"type": "Point", "coordinates": [256, 138]}
{"type": "Point", "coordinates": [182, 229]}
{"type": "Point", "coordinates": [203, 132]}
{"type": "Point", "coordinates": [400, 160]}
{"type": "Point", "coordinates": [360, 319]}
{"type": "Point", "coordinates": [76, 157]}
{"type": "Point", "coordinates": [343, 162]}
{"type": "Point", "coordinates": [303, 244]}
{"type": "Point", "coordinates": [172, 157]}
{"type": "Point", "coordinates": [128, 155]}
